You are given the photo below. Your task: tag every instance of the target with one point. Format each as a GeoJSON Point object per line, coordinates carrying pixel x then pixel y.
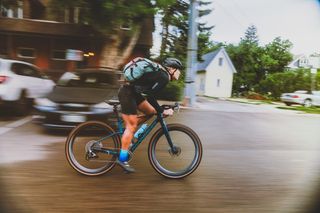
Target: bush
{"type": "Point", "coordinates": [255, 96]}
{"type": "Point", "coordinates": [172, 92]}
{"type": "Point", "coordinates": [288, 81]}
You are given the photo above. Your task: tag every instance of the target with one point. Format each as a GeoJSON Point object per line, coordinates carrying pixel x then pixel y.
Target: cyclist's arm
{"type": "Point", "coordinates": [160, 83]}
{"type": "Point", "coordinates": [151, 99]}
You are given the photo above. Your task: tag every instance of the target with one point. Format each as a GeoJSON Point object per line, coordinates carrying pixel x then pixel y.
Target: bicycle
{"type": "Point", "coordinates": [174, 151]}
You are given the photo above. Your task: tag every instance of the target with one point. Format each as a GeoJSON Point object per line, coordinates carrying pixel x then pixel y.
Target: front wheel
{"type": "Point", "coordinates": [183, 159]}
{"type": "Point", "coordinates": [82, 145]}
{"type": "Point", "coordinates": [307, 103]}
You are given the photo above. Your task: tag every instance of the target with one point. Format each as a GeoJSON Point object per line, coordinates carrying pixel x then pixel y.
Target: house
{"type": "Point", "coordinates": [214, 75]}
{"type": "Point", "coordinates": [59, 41]}
{"type": "Point", "coordinates": [304, 62]}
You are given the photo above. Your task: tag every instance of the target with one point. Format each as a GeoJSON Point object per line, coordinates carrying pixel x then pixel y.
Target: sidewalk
{"type": "Point", "coordinates": [202, 102]}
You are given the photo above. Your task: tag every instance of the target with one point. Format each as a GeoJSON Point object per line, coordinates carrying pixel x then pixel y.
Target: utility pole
{"type": "Point", "coordinates": [190, 93]}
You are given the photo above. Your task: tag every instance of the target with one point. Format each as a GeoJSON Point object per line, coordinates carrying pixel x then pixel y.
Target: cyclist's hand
{"type": "Point", "coordinates": [167, 112]}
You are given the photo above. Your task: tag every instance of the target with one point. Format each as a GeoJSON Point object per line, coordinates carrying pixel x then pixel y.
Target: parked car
{"type": "Point", "coordinates": [78, 97]}
{"type": "Point", "coordinates": [21, 82]}
{"type": "Point", "coordinates": [302, 97]}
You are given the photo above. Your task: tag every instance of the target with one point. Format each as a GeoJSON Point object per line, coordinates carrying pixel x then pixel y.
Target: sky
{"type": "Point", "coordinates": [295, 20]}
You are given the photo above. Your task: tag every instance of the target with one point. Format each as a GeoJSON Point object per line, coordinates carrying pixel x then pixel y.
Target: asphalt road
{"type": "Point", "coordinates": [256, 159]}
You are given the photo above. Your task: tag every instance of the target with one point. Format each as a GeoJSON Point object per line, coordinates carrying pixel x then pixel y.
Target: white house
{"type": "Point", "coordinates": [214, 75]}
{"type": "Point", "coordinates": [302, 61]}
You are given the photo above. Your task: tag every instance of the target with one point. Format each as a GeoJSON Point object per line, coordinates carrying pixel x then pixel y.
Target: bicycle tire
{"type": "Point", "coordinates": [161, 158]}
{"type": "Point", "coordinates": [83, 134]}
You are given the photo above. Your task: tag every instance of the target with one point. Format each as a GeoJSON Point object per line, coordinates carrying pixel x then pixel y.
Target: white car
{"type": "Point", "coordinates": [21, 82]}
{"type": "Point", "coordinates": [302, 97]}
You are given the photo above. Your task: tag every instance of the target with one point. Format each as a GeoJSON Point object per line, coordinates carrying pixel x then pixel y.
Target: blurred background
{"type": "Point", "coordinates": [252, 69]}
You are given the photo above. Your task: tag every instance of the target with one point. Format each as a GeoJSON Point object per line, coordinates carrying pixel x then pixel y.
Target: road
{"type": "Point", "coordinates": [256, 159]}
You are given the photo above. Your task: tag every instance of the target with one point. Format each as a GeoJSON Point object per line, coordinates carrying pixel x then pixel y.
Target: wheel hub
{"type": "Point", "coordinates": [176, 151]}
{"type": "Point", "coordinates": [89, 152]}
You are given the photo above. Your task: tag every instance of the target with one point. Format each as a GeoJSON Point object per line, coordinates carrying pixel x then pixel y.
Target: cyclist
{"type": "Point", "coordinates": [132, 100]}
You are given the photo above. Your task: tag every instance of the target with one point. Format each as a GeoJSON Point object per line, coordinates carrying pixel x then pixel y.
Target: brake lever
{"type": "Point", "coordinates": [176, 107]}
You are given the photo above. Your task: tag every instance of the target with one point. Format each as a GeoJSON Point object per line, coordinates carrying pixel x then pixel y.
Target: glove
{"type": "Point", "coordinates": [167, 112]}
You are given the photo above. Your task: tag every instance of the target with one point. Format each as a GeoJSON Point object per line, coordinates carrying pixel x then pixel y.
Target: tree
{"type": "Point", "coordinates": [175, 28]}
{"type": "Point", "coordinates": [277, 55]}
{"type": "Point", "coordinates": [175, 17]}
{"type": "Point", "coordinates": [246, 59]}
{"type": "Point", "coordinates": [280, 82]}
{"type": "Point", "coordinates": [254, 62]}
{"type": "Point", "coordinates": [106, 16]}
{"type": "Point", "coordinates": [175, 25]}
{"type": "Point", "coordinates": [251, 36]}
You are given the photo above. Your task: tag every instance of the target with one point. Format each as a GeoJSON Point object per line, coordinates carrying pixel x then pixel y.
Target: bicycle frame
{"type": "Point", "coordinates": [120, 131]}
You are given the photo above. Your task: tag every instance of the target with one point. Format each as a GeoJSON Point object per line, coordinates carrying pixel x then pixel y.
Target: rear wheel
{"type": "Point", "coordinates": [287, 103]}
{"type": "Point", "coordinates": [82, 142]}
{"type": "Point", "coordinates": [183, 159]}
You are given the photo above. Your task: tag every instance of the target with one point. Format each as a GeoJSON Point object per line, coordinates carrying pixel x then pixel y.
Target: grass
{"type": "Point", "coordinates": [312, 110]}
{"type": "Point", "coordinates": [254, 102]}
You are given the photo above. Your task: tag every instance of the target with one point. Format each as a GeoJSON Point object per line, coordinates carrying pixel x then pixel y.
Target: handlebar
{"type": "Point", "coordinates": [175, 106]}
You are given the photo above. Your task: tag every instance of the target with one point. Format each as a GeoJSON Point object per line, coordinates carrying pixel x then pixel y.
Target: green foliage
{"type": "Point", "coordinates": [175, 25]}
{"type": "Point", "coordinates": [276, 55]}
{"type": "Point", "coordinates": [108, 15]}
{"type": "Point", "coordinates": [172, 92]}
{"type": "Point", "coordinates": [311, 110]}
{"type": "Point", "coordinates": [289, 81]}
{"type": "Point", "coordinates": [254, 62]}
{"type": "Point", "coordinates": [251, 37]}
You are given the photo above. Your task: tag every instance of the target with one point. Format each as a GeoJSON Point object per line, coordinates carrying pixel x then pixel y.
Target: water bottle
{"type": "Point", "coordinates": [140, 131]}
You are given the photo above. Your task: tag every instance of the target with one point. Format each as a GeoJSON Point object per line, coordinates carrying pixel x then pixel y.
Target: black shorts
{"type": "Point", "coordinates": [129, 100]}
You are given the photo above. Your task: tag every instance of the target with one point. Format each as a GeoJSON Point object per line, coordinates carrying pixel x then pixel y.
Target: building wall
{"type": "Point", "coordinates": [219, 78]}
{"type": "Point", "coordinates": [200, 83]}
{"type": "Point", "coordinates": [45, 37]}
{"type": "Point", "coordinates": [44, 48]}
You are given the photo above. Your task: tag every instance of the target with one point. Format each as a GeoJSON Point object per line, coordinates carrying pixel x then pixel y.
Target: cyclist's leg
{"type": "Point", "coordinates": [148, 110]}
{"type": "Point", "coordinates": [131, 123]}
{"type": "Point", "coordinates": [127, 98]}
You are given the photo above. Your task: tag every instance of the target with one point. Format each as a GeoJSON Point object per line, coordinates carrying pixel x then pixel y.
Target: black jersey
{"type": "Point", "coordinates": [150, 84]}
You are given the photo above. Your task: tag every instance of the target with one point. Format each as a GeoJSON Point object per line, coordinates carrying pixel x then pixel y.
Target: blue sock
{"type": "Point", "coordinates": [123, 156]}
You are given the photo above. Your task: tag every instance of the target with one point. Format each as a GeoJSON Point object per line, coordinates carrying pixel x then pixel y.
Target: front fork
{"type": "Point", "coordinates": [173, 148]}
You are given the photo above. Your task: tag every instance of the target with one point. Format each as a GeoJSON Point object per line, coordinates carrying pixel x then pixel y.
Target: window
{"type": "Point", "coordinates": [218, 82]}
{"type": "Point", "coordinates": [59, 55]}
{"type": "Point", "coordinates": [71, 15]}
{"type": "Point", "coordinates": [202, 83]}
{"type": "Point", "coordinates": [26, 53]}
{"type": "Point", "coordinates": [12, 10]}
{"type": "Point", "coordinates": [220, 61]}
{"type": "Point", "coordinates": [25, 70]}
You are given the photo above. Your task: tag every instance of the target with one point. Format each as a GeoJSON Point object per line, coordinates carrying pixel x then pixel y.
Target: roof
{"type": "Point", "coordinates": [209, 57]}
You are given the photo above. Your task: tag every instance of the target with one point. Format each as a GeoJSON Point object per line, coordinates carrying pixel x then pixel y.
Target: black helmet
{"type": "Point", "coordinates": [172, 62]}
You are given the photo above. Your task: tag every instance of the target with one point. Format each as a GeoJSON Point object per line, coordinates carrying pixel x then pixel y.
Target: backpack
{"type": "Point", "coordinates": [137, 67]}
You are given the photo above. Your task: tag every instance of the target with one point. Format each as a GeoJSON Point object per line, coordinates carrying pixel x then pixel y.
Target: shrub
{"type": "Point", "coordinates": [288, 81]}
{"type": "Point", "coordinates": [172, 92]}
{"type": "Point", "coordinates": [255, 96]}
